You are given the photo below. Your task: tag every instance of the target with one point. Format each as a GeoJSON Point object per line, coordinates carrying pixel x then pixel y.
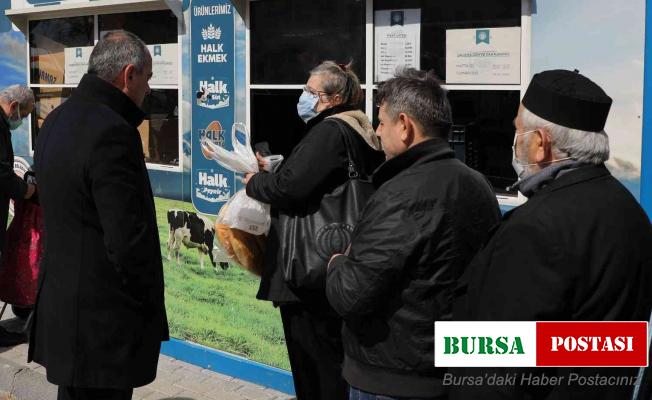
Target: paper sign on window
{"type": "Point", "coordinates": [397, 41]}
{"type": "Point", "coordinates": [483, 56]}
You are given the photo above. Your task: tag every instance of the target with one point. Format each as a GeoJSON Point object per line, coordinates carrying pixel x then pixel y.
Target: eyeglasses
{"type": "Point", "coordinates": [316, 93]}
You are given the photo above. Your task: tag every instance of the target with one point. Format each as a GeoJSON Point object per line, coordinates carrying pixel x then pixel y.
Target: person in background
{"type": "Point", "coordinates": [16, 103]}
{"type": "Point", "coordinates": [580, 248]}
{"type": "Point", "coordinates": [317, 165]}
{"type": "Point", "coordinates": [429, 216]}
{"type": "Point", "coordinates": [100, 315]}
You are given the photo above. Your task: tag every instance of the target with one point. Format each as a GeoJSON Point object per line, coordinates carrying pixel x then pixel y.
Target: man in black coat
{"type": "Point", "coordinates": [580, 249]}
{"type": "Point", "coordinates": [100, 314]}
{"type": "Point", "coordinates": [429, 216]}
{"type": "Point", "coordinates": [16, 103]}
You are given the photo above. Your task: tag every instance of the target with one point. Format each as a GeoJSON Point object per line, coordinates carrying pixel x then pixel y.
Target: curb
{"type": "Point", "coordinates": [18, 382]}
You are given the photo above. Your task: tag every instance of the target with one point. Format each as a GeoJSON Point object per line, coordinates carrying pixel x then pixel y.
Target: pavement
{"type": "Point", "coordinates": [175, 380]}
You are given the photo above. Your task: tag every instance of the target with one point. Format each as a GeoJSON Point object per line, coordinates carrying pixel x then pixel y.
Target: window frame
{"type": "Point", "coordinates": [369, 87]}
{"type": "Point", "coordinates": [177, 87]}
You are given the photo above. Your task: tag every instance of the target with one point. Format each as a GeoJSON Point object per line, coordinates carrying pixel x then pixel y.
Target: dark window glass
{"type": "Point", "coordinates": [153, 27]}
{"type": "Point", "coordinates": [274, 119]}
{"type": "Point", "coordinates": [483, 132]}
{"type": "Point", "coordinates": [47, 41]}
{"type": "Point", "coordinates": [289, 38]}
{"type": "Point", "coordinates": [46, 100]}
{"type": "Point", "coordinates": [159, 132]}
{"type": "Point", "coordinates": [438, 16]}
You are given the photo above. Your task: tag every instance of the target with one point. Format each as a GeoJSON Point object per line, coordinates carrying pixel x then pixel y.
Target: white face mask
{"type": "Point", "coordinates": [518, 165]}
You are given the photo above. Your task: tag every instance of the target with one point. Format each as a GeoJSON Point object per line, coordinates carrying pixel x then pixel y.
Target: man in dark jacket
{"type": "Point", "coordinates": [580, 249]}
{"type": "Point", "coordinates": [100, 314]}
{"type": "Point", "coordinates": [429, 216]}
{"type": "Point", "coordinates": [16, 103]}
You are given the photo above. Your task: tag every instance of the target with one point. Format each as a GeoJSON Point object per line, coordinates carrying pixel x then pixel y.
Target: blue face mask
{"type": "Point", "coordinates": [306, 106]}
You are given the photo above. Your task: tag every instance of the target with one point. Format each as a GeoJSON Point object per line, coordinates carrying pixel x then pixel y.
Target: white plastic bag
{"type": "Point", "coordinates": [242, 212]}
{"type": "Point", "coordinates": [247, 214]}
{"type": "Point", "coordinates": [241, 160]}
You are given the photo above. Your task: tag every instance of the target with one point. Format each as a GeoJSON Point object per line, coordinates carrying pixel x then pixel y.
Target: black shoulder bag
{"type": "Point", "coordinates": [308, 241]}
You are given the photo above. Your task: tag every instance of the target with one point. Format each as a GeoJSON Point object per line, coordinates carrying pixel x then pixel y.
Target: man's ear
{"type": "Point", "coordinates": [130, 70]}
{"type": "Point", "coordinates": [407, 129]}
{"type": "Point", "coordinates": [544, 146]}
{"type": "Point", "coordinates": [123, 80]}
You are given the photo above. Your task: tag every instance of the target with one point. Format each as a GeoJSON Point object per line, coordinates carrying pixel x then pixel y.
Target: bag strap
{"type": "Point", "coordinates": [354, 171]}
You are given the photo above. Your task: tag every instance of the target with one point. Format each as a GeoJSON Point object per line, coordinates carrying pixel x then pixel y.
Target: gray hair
{"type": "Point", "coordinates": [583, 146]}
{"type": "Point", "coordinates": [340, 79]}
{"type": "Point", "coordinates": [22, 94]}
{"type": "Point", "coordinates": [420, 95]}
{"type": "Point", "coordinates": [116, 50]}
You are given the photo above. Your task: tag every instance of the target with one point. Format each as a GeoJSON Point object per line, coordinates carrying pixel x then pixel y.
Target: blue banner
{"type": "Point", "coordinates": [213, 102]}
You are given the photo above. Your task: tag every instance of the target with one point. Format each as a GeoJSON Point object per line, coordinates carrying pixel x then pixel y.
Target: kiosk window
{"type": "Point", "coordinates": [159, 132]}
{"type": "Point", "coordinates": [60, 49]}
{"type": "Point", "coordinates": [153, 27]}
{"type": "Point", "coordinates": [274, 119]}
{"type": "Point", "coordinates": [482, 132]}
{"type": "Point", "coordinates": [48, 41]}
{"type": "Point", "coordinates": [46, 100]}
{"type": "Point", "coordinates": [436, 17]}
{"type": "Point", "coordinates": [289, 38]}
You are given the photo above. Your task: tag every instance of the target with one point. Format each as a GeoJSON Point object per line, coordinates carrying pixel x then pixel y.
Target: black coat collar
{"type": "Point", "coordinates": [327, 113]}
{"type": "Point", "coordinates": [575, 176]}
{"type": "Point", "coordinates": [95, 89]}
{"type": "Point", "coordinates": [430, 150]}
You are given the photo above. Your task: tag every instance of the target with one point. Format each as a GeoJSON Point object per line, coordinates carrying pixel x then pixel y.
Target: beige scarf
{"type": "Point", "coordinates": [358, 120]}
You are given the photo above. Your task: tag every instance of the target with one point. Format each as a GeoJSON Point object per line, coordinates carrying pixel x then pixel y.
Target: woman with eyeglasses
{"type": "Point", "coordinates": [317, 166]}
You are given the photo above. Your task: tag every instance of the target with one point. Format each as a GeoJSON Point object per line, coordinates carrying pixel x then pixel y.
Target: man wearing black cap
{"type": "Point", "coordinates": [580, 249]}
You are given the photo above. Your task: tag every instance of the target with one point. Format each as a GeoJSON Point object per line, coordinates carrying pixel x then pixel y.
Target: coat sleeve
{"type": "Point", "coordinates": [10, 184]}
{"type": "Point", "coordinates": [116, 180]}
{"type": "Point", "coordinates": [316, 157]}
{"type": "Point", "coordinates": [384, 240]}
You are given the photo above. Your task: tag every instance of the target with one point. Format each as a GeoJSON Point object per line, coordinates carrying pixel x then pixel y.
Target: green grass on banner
{"type": "Point", "coordinates": [218, 309]}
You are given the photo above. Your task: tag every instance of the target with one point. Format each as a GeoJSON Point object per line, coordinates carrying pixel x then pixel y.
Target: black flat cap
{"type": "Point", "coordinates": [569, 99]}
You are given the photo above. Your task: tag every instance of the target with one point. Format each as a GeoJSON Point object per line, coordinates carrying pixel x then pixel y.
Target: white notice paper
{"type": "Point", "coordinates": [76, 63]}
{"type": "Point", "coordinates": [165, 70]}
{"type": "Point", "coordinates": [397, 41]}
{"type": "Point", "coordinates": [164, 63]}
{"type": "Point", "coordinates": [483, 56]}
